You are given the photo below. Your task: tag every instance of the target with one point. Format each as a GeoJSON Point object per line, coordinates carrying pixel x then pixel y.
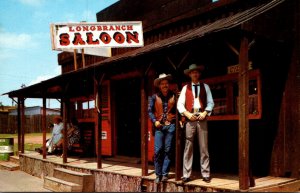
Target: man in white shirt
{"type": "Point", "coordinates": [195, 103]}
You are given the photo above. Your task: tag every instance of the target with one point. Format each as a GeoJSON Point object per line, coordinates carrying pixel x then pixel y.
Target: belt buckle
{"type": "Point", "coordinates": [196, 110]}
{"type": "Point", "coordinates": [167, 123]}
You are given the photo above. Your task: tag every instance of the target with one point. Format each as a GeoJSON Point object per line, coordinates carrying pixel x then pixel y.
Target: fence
{"type": "Point", "coordinates": [33, 123]}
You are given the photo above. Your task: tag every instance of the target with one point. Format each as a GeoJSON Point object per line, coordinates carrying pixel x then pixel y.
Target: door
{"type": "Point", "coordinates": [128, 113]}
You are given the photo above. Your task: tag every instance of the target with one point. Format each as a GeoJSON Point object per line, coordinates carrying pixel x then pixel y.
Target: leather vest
{"type": "Point", "coordinates": [159, 111]}
{"type": "Point", "coordinates": [189, 97]}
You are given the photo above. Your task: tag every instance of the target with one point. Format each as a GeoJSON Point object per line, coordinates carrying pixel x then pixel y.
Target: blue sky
{"type": "Point", "coordinates": [26, 56]}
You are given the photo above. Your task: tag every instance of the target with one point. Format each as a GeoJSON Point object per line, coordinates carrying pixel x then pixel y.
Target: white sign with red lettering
{"type": "Point", "coordinates": [97, 34]}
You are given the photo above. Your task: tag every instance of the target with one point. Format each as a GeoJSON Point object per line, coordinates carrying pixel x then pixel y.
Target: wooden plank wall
{"type": "Point", "coordinates": [33, 124]}
{"type": "Point", "coordinates": [3, 122]}
{"type": "Point", "coordinates": [286, 152]}
{"type": "Point", "coordinates": [293, 105]}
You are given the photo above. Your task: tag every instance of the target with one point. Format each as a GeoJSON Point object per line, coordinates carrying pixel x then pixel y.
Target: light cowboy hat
{"type": "Point", "coordinates": [193, 67]}
{"type": "Point", "coordinates": [161, 77]}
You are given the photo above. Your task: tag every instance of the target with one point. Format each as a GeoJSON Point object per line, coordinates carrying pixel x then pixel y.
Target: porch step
{"type": "Point", "coordinates": [87, 181]}
{"type": "Point", "coordinates": [15, 159]}
{"type": "Point", "coordinates": [8, 165]}
{"type": "Point", "coordinates": [59, 185]}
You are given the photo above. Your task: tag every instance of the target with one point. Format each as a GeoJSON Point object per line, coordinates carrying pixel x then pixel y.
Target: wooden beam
{"type": "Point", "coordinates": [171, 62]}
{"type": "Point", "coordinates": [22, 123]}
{"type": "Point", "coordinates": [183, 59]}
{"type": "Point", "coordinates": [233, 48]}
{"type": "Point", "coordinates": [19, 125]}
{"type": "Point", "coordinates": [82, 57]}
{"type": "Point", "coordinates": [65, 130]}
{"type": "Point", "coordinates": [44, 127]}
{"type": "Point", "coordinates": [243, 116]}
{"type": "Point", "coordinates": [98, 121]}
{"type": "Point", "coordinates": [75, 59]}
{"type": "Point", "coordinates": [178, 141]}
{"type": "Point", "coordinates": [99, 130]}
{"type": "Point", "coordinates": [146, 72]}
{"type": "Point", "coordinates": [144, 128]}
{"type": "Point", "coordinates": [178, 154]}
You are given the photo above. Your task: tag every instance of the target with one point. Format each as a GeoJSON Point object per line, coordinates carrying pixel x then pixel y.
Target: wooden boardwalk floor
{"type": "Point", "coordinates": [131, 167]}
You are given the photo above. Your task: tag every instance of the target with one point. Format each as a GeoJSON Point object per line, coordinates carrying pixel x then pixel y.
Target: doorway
{"type": "Point", "coordinates": [128, 113]}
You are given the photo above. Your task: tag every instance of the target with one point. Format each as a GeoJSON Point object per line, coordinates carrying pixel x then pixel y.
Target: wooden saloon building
{"type": "Point", "coordinates": [250, 50]}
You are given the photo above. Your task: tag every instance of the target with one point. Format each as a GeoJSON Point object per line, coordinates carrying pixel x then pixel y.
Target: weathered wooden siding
{"type": "Point", "coordinates": [4, 123]}
{"type": "Point", "coordinates": [33, 124]}
{"type": "Point", "coordinates": [150, 12]}
{"type": "Point", "coordinates": [286, 153]}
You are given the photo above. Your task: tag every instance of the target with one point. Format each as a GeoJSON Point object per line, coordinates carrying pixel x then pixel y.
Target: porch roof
{"type": "Point", "coordinates": [54, 87]}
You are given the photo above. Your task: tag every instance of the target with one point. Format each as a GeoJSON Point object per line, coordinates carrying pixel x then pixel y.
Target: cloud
{"type": "Point", "coordinates": [17, 41]}
{"type": "Point", "coordinates": [34, 3]}
{"type": "Point", "coordinates": [41, 78]}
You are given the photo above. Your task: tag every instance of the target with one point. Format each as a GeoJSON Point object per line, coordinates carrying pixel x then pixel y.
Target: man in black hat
{"type": "Point", "coordinates": [162, 111]}
{"type": "Point", "coordinates": [195, 103]}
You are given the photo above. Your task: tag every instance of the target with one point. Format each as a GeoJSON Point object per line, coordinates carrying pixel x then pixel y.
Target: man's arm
{"type": "Point", "coordinates": [151, 111]}
{"type": "Point", "coordinates": [210, 102]}
{"type": "Point", "coordinates": [151, 108]}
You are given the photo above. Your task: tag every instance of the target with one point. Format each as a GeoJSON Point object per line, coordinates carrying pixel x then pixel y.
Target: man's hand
{"type": "Point", "coordinates": [202, 115]}
{"type": "Point", "coordinates": [157, 124]}
{"type": "Point", "coordinates": [190, 116]}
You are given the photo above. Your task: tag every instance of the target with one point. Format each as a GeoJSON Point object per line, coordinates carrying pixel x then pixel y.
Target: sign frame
{"type": "Point", "coordinates": [96, 35]}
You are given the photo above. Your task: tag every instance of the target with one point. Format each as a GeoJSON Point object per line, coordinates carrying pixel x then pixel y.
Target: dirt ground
{"type": "Point", "coordinates": [35, 139]}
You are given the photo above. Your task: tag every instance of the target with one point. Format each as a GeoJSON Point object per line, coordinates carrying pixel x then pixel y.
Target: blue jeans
{"type": "Point", "coordinates": [162, 149]}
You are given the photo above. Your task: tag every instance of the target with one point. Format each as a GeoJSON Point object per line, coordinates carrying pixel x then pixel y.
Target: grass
{"type": "Point", "coordinates": [29, 145]}
{"type": "Point", "coordinates": [26, 135]}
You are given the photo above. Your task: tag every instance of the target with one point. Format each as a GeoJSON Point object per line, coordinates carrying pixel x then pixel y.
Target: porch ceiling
{"type": "Point", "coordinates": [55, 87]}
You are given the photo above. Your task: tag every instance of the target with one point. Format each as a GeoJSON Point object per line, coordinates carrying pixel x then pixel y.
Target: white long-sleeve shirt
{"type": "Point", "coordinates": [181, 100]}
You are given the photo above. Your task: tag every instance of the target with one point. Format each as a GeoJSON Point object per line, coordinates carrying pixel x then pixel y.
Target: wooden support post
{"type": "Point", "coordinates": [19, 125]}
{"type": "Point", "coordinates": [44, 127]}
{"type": "Point", "coordinates": [75, 60]}
{"type": "Point", "coordinates": [83, 59]}
{"type": "Point", "coordinates": [22, 123]}
{"type": "Point", "coordinates": [243, 116]}
{"type": "Point", "coordinates": [178, 141]}
{"type": "Point", "coordinates": [183, 59]}
{"type": "Point", "coordinates": [144, 128]}
{"type": "Point", "coordinates": [65, 130]}
{"type": "Point", "coordinates": [98, 132]}
{"type": "Point", "coordinates": [178, 155]}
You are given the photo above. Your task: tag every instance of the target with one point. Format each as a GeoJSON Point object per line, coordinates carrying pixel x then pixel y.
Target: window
{"type": "Point", "coordinates": [225, 93]}
{"type": "Point", "coordinates": [83, 108]}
